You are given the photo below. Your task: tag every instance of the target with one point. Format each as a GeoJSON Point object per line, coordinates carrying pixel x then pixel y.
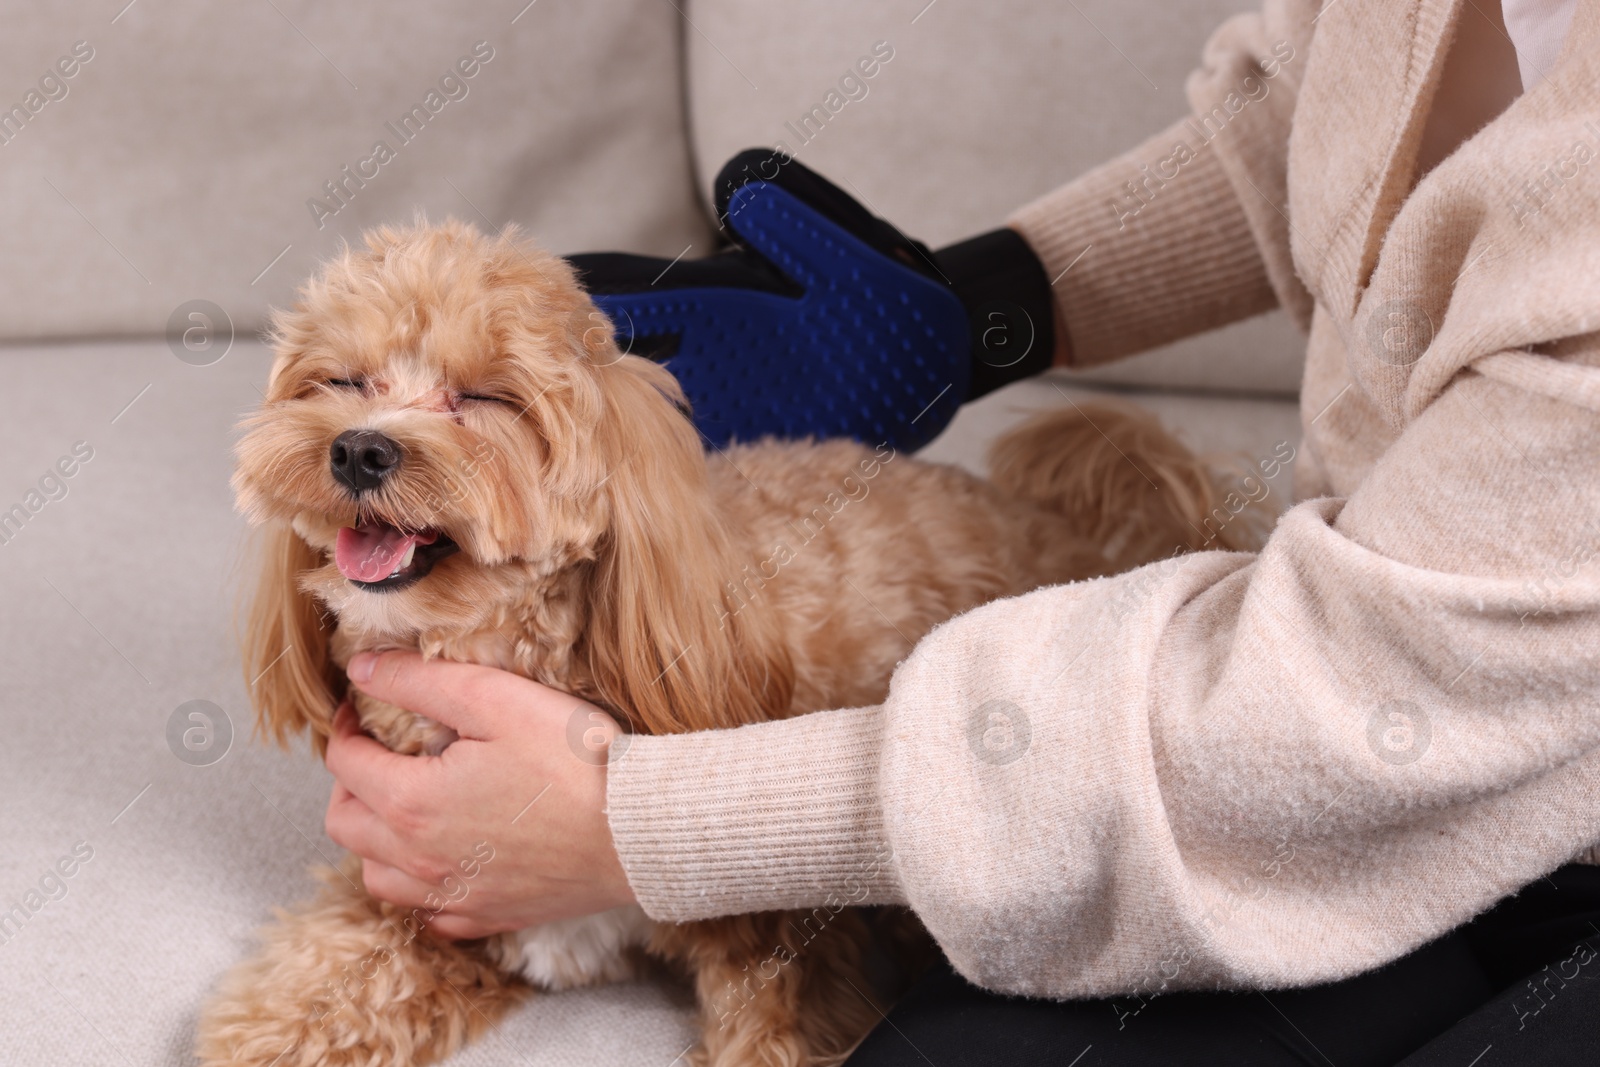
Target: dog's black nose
{"type": "Point", "coordinates": [362, 459]}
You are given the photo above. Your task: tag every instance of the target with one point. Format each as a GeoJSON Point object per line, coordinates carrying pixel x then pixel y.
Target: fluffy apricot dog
{"type": "Point", "coordinates": [454, 456]}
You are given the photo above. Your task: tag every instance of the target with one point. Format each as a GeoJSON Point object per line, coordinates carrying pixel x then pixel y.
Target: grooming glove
{"type": "Point", "coordinates": [820, 319]}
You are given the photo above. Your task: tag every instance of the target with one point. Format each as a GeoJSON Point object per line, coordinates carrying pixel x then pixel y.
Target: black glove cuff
{"type": "Point", "coordinates": [1009, 305]}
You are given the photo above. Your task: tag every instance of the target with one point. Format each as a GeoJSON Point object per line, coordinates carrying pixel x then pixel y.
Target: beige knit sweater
{"type": "Point", "coordinates": [1250, 770]}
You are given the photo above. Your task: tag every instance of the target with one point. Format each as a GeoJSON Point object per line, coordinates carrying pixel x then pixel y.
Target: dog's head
{"type": "Point", "coordinates": [449, 425]}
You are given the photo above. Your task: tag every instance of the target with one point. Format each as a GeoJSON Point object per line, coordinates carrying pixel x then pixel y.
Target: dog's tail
{"type": "Point", "coordinates": [1129, 487]}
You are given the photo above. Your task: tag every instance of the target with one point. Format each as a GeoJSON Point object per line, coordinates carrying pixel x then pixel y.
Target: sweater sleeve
{"type": "Point", "coordinates": [1222, 769]}
{"type": "Point", "coordinates": [1187, 231]}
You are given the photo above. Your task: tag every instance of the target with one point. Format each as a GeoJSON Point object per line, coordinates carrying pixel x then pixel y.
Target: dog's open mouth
{"type": "Point", "coordinates": [381, 557]}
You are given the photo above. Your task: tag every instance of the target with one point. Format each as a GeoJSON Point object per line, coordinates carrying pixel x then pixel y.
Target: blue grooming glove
{"type": "Point", "coordinates": [823, 320]}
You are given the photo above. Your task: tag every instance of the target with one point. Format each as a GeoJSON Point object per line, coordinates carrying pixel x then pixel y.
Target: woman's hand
{"type": "Point", "coordinates": [504, 829]}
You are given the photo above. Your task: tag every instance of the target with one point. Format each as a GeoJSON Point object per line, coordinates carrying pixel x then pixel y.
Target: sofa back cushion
{"type": "Point", "coordinates": [191, 150]}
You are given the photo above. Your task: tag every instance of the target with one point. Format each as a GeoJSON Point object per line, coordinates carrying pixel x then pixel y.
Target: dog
{"type": "Point", "coordinates": [454, 456]}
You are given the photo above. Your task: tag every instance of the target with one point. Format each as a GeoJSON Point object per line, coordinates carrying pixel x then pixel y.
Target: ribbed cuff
{"type": "Point", "coordinates": [1148, 248]}
{"type": "Point", "coordinates": [769, 816]}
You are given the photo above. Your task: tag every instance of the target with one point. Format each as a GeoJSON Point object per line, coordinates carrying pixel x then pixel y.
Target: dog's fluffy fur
{"type": "Point", "coordinates": [603, 551]}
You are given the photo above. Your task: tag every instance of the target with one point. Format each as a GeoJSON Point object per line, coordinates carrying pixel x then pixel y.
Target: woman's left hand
{"type": "Point", "coordinates": [504, 829]}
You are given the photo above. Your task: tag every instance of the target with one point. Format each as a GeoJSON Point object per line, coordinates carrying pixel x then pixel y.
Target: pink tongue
{"type": "Point", "coordinates": [371, 553]}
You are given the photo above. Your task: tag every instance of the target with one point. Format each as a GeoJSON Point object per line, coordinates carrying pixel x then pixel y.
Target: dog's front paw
{"type": "Point", "coordinates": [348, 982]}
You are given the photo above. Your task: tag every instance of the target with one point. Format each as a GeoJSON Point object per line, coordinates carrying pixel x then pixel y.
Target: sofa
{"type": "Point", "coordinates": [169, 172]}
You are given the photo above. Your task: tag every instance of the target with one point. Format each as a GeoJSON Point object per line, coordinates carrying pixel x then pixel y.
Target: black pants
{"type": "Point", "coordinates": [1518, 985]}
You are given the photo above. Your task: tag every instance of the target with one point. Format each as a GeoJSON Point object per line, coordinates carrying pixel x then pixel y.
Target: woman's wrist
{"type": "Point", "coordinates": [773, 815]}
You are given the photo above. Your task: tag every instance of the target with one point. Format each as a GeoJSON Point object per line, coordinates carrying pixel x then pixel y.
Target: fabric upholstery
{"type": "Point", "coordinates": [180, 160]}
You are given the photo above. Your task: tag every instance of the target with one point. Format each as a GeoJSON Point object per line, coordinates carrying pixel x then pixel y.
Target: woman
{"type": "Point", "coordinates": [1262, 772]}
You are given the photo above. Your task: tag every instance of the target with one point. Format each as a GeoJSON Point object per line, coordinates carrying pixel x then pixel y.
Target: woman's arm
{"type": "Point", "coordinates": [1221, 769]}
{"type": "Point", "coordinates": [1186, 232]}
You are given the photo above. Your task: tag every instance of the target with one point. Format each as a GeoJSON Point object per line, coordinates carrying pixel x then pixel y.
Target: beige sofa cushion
{"type": "Point", "coordinates": [180, 160]}
{"type": "Point", "coordinates": [1235, 434]}
{"type": "Point", "coordinates": [980, 108]}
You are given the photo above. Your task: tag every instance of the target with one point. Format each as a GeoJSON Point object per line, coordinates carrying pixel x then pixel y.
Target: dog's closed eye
{"type": "Point", "coordinates": [489, 398]}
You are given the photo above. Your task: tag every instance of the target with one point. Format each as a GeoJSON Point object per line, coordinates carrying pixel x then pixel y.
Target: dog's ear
{"type": "Point", "coordinates": [292, 683]}
{"type": "Point", "coordinates": [663, 646]}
